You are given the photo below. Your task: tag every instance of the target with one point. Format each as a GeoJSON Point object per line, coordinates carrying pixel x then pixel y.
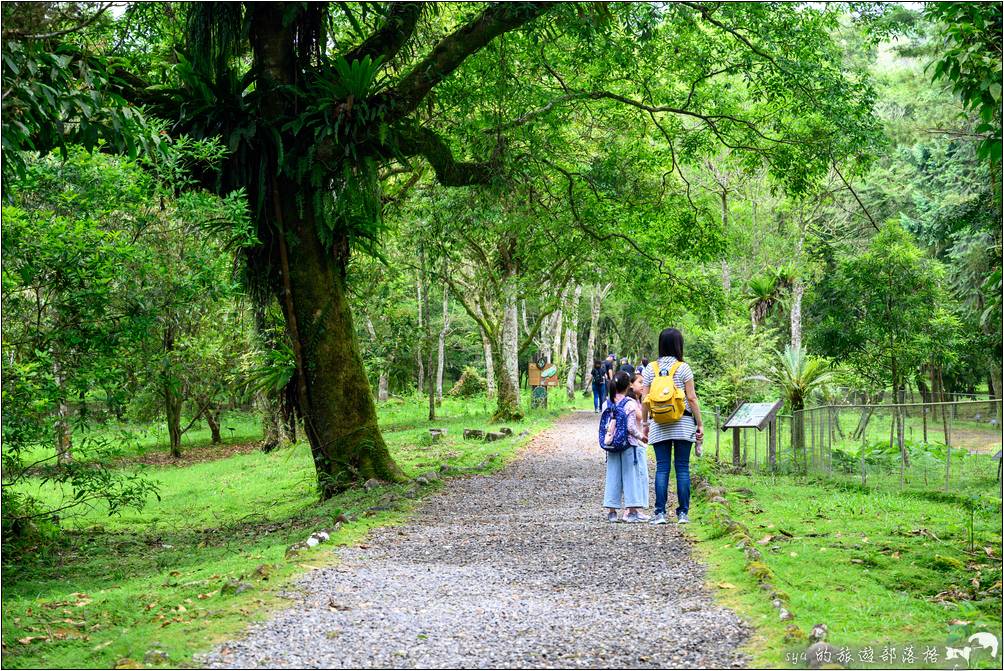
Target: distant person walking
{"type": "Point", "coordinates": [626, 367]}
{"type": "Point", "coordinates": [672, 441]}
{"type": "Point", "coordinates": [609, 368]}
{"type": "Point", "coordinates": [599, 376]}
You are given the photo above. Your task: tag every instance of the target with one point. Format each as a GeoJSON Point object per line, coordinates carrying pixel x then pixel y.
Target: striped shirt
{"type": "Point", "coordinates": [685, 428]}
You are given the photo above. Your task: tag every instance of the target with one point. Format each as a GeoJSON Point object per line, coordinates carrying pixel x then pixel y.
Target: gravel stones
{"type": "Point", "coordinates": [514, 569]}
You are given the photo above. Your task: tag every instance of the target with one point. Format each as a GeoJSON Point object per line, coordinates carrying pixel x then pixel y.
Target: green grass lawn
{"type": "Point", "coordinates": [113, 588]}
{"type": "Point", "coordinates": [880, 567]}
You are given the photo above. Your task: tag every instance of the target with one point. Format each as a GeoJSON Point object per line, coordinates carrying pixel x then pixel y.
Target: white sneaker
{"type": "Point", "coordinates": [658, 518]}
{"type": "Point", "coordinates": [612, 517]}
{"type": "Point", "coordinates": [682, 519]}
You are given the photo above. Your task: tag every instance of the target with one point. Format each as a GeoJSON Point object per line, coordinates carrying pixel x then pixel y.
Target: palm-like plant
{"type": "Point", "coordinates": [798, 375]}
{"type": "Point", "coordinates": [763, 294]}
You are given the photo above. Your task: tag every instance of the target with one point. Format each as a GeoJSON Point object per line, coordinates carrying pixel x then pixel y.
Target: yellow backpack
{"type": "Point", "coordinates": [665, 399]}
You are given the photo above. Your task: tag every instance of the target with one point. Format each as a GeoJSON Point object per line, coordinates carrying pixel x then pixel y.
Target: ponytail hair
{"type": "Point", "coordinates": [619, 385]}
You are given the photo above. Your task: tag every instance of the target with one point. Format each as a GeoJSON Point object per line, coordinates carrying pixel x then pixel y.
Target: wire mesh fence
{"type": "Point", "coordinates": [952, 446]}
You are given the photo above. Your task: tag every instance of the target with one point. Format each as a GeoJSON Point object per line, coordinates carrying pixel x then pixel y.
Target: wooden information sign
{"type": "Point", "coordinates": [754, 416]}
{"type": "Point", "coordinates": [537, 379]}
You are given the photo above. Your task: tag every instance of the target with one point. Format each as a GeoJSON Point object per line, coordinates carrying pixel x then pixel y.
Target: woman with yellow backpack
{"type": "Point", "coordinates": [672, 422]}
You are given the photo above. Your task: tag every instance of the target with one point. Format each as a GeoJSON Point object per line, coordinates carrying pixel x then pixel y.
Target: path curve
{"type": "Point", "coordinates": [514, 569]}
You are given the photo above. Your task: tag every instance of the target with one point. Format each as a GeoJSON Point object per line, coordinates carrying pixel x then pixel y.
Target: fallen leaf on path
{"type": "Point", "coordinates": [857, 561]}
{"type": "Point", "coordinates": [959, 622]}
{"type": "Point", "coordinates": [726, 585]}
{"type": "Point", "coordinates": [766, 539]}
{"type": "Point", "coordinates": [101, 646]}
{"type": "Point", "coordinates": [28, 640]}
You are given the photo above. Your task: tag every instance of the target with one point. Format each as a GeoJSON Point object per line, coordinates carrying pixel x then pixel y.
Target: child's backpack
{"type": "Point", "coordinates": [665, 399]}
{"type": "Point", "coordinates": [616, 414]}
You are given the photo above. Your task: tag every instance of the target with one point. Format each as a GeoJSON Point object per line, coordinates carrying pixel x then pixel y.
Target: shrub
{"type": "Point", "coordinates": [470, 384]}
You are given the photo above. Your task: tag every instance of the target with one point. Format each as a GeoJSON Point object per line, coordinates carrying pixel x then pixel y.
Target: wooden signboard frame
{"type": "Point", "coordinates": [764, 414]}
{"type": "Point", "coordinates": [767, 412]}
{"type": "Point", "coordinates": [535, 380]}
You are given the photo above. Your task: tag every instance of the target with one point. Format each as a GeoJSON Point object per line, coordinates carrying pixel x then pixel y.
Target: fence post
{"type": "Point", "coordinates": [903, 458]}
{"type": "Point", "coordinates": [812, 438]}
{"type": "Point", "coordinates": [735, 448]}
{"type": "Point", "coordinates": [772, 444]}
{"type": "Point", "coordinates": [829, 440]}
{"type": "Point", "coordinates": [861, 458]}
{"type": "Point", "coordinates": [718, 430]}
{"type": "Point", "coordinates": [948, 453]}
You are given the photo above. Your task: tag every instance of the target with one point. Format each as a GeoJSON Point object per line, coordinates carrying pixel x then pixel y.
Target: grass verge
{"type": "Point", "coordinates": [195, 567]}
{"type": "Point", "coordinates": [882, 569]}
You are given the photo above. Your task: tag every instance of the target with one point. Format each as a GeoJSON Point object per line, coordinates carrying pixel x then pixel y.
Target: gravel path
{"type": "Point", "coordinates": [515, 569]}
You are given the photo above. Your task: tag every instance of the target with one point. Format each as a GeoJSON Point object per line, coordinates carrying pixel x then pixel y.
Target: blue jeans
{"type": "Point", "coordinates": [663, 456]}
{"type": "Point", "coordinates": [599, 394]}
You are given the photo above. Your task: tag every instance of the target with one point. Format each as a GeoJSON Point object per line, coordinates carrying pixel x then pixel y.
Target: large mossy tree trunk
{"type": "Point", "coordinates": [339, 412]}
{"type": "Point", "coordinates": [507, 407]}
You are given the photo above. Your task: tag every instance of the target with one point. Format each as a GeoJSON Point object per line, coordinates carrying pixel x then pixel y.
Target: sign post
{"type": "Point", "coordinates": [540, 376]}
{"type": "Point", "coordinates": [754, 416]}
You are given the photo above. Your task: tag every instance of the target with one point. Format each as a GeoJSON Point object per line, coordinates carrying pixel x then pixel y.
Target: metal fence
{"type": "Point", "coordinates": [953, 446]}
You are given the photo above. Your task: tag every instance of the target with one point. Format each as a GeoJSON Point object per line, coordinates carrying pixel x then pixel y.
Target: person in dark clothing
{"type": "Point", "coordinates": [609, 368]}
{"type": "Point", "coordinates": [599, 384]}
{"type": "Point", "coordinates": [627, 368]}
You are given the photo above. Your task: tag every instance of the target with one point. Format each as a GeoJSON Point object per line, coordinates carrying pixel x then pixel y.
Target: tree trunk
{"type": "Point", "coordinates": [172, 399]}
{"type": "Point", "coordinates": [489, 364]}
{"type": "Point", "coordinates": [595, 305]}
{"type": "Point", "coordinates": [274, 433]}
{"type": "Point", "coordinates": [866, 414]}
{"type": "Point", "coordinates": [796, 313]}
{"type": "Point", "coordinates": [172, 408]}
{"type": "Point", "coordinates": [572, 344]}
{"type": "Point", "coordinates": [426, 319]}
{"type": "Point", "coordinates": [441, 361]}
{"type": "Point", "coordinates": [994, 387]}
{"type": "Point", "coordinates": [798, 437]}
{"type": "Point", "coordinates": [212, 415]}
{"type": "Point", "coordinates": [64, 434]}
{"type": "Point", "coordinates": [508, 404]}
{"type": "Point", "coordinates": [338, 408]}
{"type": "Point", "coordinates": [726, 275]}
{"type": "Point", "coordinates": [557, 342]}
{"type": "Point", "coordinates": [420, 367]}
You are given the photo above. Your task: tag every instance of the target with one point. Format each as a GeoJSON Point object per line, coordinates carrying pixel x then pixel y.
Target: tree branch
{"type": "Point", "coordinates": [388, 40]}
{"type": "Point", "coordinates": [855, 194]}
{"type": "Point", "coordinates": [418, 140]}
{"type": "Point", "coordinates": [60, 33]}
{"type": "Point", "coordinates": [452, 51]}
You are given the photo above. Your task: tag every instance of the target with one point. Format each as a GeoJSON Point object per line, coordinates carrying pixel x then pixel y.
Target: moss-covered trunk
{"type": "Point", "coordinates": [339, 412]}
